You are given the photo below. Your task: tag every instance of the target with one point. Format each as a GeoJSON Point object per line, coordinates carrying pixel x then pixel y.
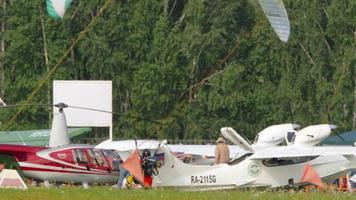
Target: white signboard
{"type": "Point", "coordinates": [95, 95]}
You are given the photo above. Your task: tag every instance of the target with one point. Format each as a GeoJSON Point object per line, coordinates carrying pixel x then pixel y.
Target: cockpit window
{"type": "Point", "coordinates": [113, 158]}
{"type": "Point", "coordinates": [113, 154]}
{"type": "Point", "coordinates": [92, 157]}
{"type": "Point", "coordinates": [80, 156]}
{"type": "Point", "coordinates": [239, 159]}
{"type": "Point", "coordinates": [99, 157]}
{"type": "Point", "coordinates": [273, 162]}
{"type": "Point", "coordinates": [290, 137]}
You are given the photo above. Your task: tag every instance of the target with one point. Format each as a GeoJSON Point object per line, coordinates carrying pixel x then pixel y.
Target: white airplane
{"type": "Point", "coordinates": [276, 166]}
{"type": "Point", "coordinates": [192, 154]}
{"type": "Point", "coordinates": [204, 154]}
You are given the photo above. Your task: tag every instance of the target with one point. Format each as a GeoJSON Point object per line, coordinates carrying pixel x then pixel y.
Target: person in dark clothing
{"type": "Point", "coordinates": [148, 167]}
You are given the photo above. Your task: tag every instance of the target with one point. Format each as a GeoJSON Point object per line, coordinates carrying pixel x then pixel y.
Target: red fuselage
{"type": "Point", "coordinates": [71, 163]}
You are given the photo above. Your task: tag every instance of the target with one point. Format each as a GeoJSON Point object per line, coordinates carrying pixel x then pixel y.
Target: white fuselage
{"type": "Point", "coordinates": [249, 172]}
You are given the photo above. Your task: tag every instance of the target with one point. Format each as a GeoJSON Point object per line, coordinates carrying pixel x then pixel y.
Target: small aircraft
{"type": "Point", "coordinates": [192, 154]}
{"type": "Point", "coordinates": [274, 166]}
{"type": "Point", "coordinates": [204, 154]}
{"type": "Point", "coordinates": [64, 162]}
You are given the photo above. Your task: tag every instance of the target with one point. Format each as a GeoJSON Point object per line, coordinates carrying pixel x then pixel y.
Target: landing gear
{"type": "Point", "coordinates": [85, 185]}
{"type": "Point", "coordinates": [47, 184]}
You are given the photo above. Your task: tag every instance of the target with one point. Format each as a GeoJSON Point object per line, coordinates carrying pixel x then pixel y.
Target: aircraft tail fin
{"type": "Point", "coordinates": [59, 131]}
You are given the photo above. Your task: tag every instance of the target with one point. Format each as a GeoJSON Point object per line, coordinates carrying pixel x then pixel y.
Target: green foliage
{"type": "Point", "coordinates": [156, 51]}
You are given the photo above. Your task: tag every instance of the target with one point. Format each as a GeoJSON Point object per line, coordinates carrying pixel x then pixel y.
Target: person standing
{"type": "Point", "coordinates": [222, 152]}
{"type": "Point", "coordinates": [123, 175]}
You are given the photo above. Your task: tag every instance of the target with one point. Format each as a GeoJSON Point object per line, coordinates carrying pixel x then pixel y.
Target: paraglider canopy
{"type": "Point", "coordinates": [277, 17]}
{"type": "Point", "coordinates": [57, 8]}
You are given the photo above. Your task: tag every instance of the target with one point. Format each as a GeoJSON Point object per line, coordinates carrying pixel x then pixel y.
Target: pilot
{"type": "Point", "coordinates": [222, 152]}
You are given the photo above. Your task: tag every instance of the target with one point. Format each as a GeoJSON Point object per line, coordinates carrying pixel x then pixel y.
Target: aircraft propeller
{"type": "Point", "coordinates": [330, 122]}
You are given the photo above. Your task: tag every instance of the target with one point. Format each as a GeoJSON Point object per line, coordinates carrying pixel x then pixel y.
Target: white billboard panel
{"type": "Point", "coordinates": [87, 94]}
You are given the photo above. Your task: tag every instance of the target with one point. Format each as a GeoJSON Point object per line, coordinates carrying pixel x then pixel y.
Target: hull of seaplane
{"type": "Point", "coordinates": [250, 171]}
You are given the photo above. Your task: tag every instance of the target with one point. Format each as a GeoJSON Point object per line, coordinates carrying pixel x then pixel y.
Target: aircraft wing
{"type": "Point", "coordinates": [128, 145]}
{"type": "Point", "coordinates": [203, 150]}
{"type": "Point", "coordinates": [295, 152]}
{"type": "Point", "coordinates": [277, 16]}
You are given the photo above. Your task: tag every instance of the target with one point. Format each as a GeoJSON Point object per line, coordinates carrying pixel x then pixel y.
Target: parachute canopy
{"type": "Point", "coordinates": [277, 17]}
{"type": "Point", "coordinates": [57, 8]}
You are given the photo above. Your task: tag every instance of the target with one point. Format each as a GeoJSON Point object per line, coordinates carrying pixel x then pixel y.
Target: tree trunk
{"type": "Point", "coordinates": [47, 67]}
{"type": "Point", "coordinates": [354, 108]}
{"type": "Point", "coordinates": [2, 51]}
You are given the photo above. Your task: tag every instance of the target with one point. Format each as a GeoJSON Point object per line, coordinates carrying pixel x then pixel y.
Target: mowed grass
{"type": "Point", "coordinates": [102, 193]}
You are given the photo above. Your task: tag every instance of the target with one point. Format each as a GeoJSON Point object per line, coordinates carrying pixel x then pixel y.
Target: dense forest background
{"type": "Point", "coordinates": [193, 66]}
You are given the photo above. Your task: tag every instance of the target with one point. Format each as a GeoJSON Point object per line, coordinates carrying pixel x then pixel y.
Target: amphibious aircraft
{"type": "Point", "coordinates": [270, 136]}
{"type": "Point", "coordinates": [193, 154]}
{"type": "Point", "coordinates": [275, 166]}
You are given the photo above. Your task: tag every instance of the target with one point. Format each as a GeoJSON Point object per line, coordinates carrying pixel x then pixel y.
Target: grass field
{"type": "Point", "coordinates": [103, 193]}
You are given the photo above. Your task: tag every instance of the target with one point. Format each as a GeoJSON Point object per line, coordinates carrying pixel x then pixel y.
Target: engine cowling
{"type": "Point", "coordinates": [273, 135]}
{"type": "Point", "coordinates": [313, 135]}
